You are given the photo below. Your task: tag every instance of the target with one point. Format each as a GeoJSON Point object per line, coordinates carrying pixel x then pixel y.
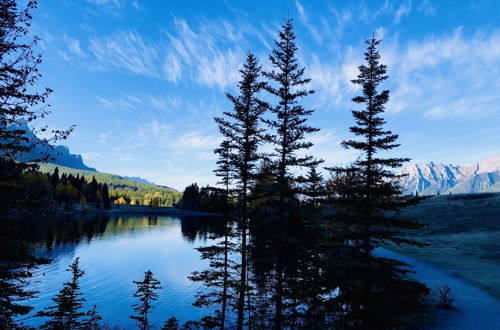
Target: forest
{"type": "Point", "coordinates": [294, 250]}
{"type": "Point", "coordinates": [121, 190]}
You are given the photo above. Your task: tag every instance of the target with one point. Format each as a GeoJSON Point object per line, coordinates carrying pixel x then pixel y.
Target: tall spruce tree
{"type": "Point", "coordinates": [368, 205]}
{"type": "Point", "coordinates": [105, 197]}
{"type": "Point", "coordinates": [146, 292]}
{"type": "Point", "coordinates": [240, 128]}
{"type": "Point", "coordinates": [288, 85]}
{"type": "Point", "coordinates": [66, 313]}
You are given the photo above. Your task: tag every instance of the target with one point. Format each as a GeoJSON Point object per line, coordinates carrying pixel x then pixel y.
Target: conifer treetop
{"type": "Point", "coordinates": [369, 122]}
{"type": "Point", "coordinates": [288, 85]}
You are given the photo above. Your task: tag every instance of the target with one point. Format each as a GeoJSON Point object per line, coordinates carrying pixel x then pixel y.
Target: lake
{"type": "Point", "coordinates": [116, 250]}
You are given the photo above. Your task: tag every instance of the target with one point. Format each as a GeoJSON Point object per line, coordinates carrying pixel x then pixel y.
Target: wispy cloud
{"type": "Point", "coordinates": [403, 10]}
{"type": "Point", "coordinates": [196, 140]}
{"type": "Point", "coordinates": [200, 54]}
{"type": "Point", "coordinates": [127, 102]}
{"type": "Point", "coordinates": [165, 103]}
{"type": "Point", "coordinates": [116, 3]}
{"type": "Point", "coordinates": [447, 76]}
{"type": "Point", "coordinates": [74, 47]}
{"type": "Point", "coordinates": [122, 103]}
{"type": "Point", "coordinates": [313, 30]}
{"type": "Point", "coordinates": [427, 8]}
{"type": "Point", "coordinates": [155, 133]}
{"type": "Point", "coordinates": [440, 77]}
{"type": "Point", "coordinates": [103, 137]}
{"type": "Point", "coordinates": [210, 54]}
{"type": "Point", "coordinates": [127, 51]}
{"type": "Point", "coordinates": [89, 155]}
{"type": "Point", "coordinates": [332, 80]}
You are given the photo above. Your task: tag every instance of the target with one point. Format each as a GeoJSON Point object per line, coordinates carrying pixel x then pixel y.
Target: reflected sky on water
{"type": "Point", "coordinates": [118, 250]}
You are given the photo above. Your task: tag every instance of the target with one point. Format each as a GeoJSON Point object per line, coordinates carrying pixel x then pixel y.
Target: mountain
{"type": "Point", "coordinates": [59, 155]}
{"type": "Point", "coordinates": [139, 179]}
{"type": "Point", "coordinates": [432, 178]}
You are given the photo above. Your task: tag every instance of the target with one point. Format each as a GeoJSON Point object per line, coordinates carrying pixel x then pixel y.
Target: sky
{"type": "Point", "coordinates": [142, 80]}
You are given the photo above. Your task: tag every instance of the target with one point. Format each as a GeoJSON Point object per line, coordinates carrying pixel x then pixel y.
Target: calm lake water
{"type": "Point", "coordinates": [118, 250]}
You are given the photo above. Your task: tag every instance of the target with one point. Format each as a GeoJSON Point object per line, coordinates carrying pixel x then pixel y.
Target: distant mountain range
{"type": "Point", "coordinates": [139, 179]}
{"type": "Point", "coordinates": [432, 178]}
{"type": "Point", "coordinates": [59, 155]}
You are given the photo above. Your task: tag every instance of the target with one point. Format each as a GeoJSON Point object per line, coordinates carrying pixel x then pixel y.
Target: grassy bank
{"type": "Point", "coordinates": [463, 234]}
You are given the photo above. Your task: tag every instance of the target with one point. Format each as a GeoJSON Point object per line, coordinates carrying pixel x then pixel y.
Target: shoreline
{"type": "Point", "coordinates": [473, 307]}
{"type": "Point", "coordinates": [136, 209]}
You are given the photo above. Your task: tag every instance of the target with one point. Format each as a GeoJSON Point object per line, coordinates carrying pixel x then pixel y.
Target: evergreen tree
{"type": "Point", "coordinates": [93, 319]}
{"type": "Point", "coordinates": [21, 103]}
{"type": "Point", "coordinates": [66, 314]}
{"type": "Point", "coordinates": [93, 187]}
{"type": "Point", "coordinates": [55, 177]}
{"type": "Point", "coordinates": [287, 84]}
{"type": "Point", "coordinates": [19, 74]}
{"type": "Point", "coordinates": [224, 168]}
{"type": "Point", "coordinates": [368, 207]}
{"type": "Point", "coordinates": [146, 294]}
{"type": "Point", "coordinates": [191, 198]}
{"type": "Point", "coordinates": [171, 324]}
{"type": "Point", "coordinates": [105, 197]}
{"type": "Point", "coordinates": [243, 135]}
{"type": "Point", "coordinates": [312, 186]}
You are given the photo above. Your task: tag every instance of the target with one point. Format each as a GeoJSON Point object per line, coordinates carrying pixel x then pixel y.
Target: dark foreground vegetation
{"type": "Point", "coordinates": [294, 250]}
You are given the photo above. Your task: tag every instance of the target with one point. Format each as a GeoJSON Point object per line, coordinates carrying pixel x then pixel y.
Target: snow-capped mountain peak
{"type": "Point", "coordinates": [434, 178]}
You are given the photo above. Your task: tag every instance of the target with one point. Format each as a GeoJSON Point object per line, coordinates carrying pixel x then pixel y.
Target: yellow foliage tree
{"type": "Point", "coordinates": [121, 201]}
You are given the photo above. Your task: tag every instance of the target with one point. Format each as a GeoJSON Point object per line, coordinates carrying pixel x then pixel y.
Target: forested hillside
{"type": "Point", "coordinates": [121, 190]}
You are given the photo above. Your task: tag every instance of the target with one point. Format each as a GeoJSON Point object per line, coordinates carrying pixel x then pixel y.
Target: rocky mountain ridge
{"type": "Point", "coordinates": [434, 178]}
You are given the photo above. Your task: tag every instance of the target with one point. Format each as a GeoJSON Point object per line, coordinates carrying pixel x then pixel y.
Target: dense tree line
{"type": "Point", "coordinates": [204, 199]}
{"type": "Point", "coordinates": [69, 190]}
{"type": "Point", "coordinates": [124, 191]}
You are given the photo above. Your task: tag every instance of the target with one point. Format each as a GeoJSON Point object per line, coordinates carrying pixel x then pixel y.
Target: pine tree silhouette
{"type": "Point", "coordinates": [66, 313]}
{"type": "Point", "coordinates": [368, 208]}
{"type": "Point", "coordinates": [105, 197]}
{"type": "Point", "coordinates": [146, 292]}
{"type": "Point", "coordinates": [93, 319]}
{"type": "Point", "coordinates": [242, 137]}
{"type": "Point", "coordinates": [287, 85]}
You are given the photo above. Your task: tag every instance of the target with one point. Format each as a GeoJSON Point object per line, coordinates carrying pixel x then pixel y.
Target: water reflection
{"type": "Point", "coordinates": [116, 250]}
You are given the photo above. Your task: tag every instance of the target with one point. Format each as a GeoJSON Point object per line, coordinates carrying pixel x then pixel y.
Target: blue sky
{"type": "Point", "coordinates": [142, 80]}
